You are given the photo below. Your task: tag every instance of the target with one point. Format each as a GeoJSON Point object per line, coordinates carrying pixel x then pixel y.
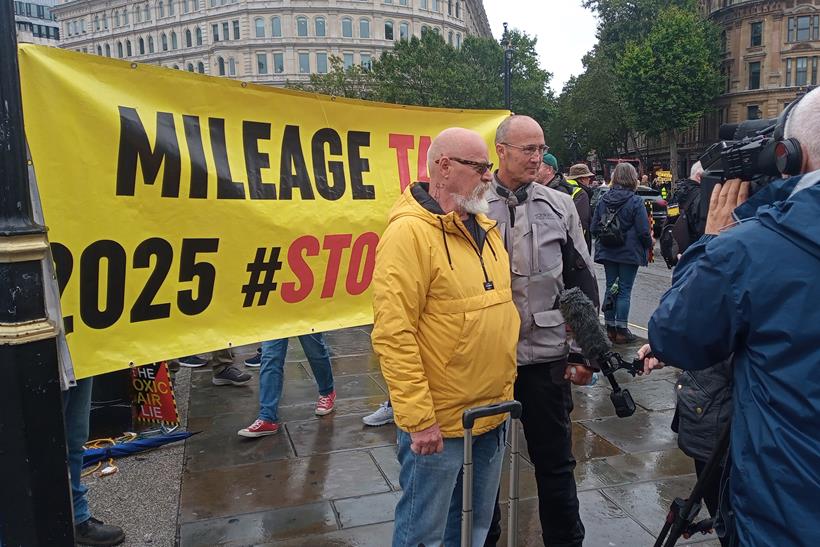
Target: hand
{"type": "Point", "coordinates": [427, 441]}
{"type": "Point", "coordinates": [725, 199]}
{"type": "Point", "coordinates": [580, 375]}
{"type": "Point", "coordinates": [649, 363]}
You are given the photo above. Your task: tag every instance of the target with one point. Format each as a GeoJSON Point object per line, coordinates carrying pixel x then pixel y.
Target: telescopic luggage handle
{"type": "Point", "coordinates": [468, 420]}
{"type": "Point", "coordinates": [471, 415]}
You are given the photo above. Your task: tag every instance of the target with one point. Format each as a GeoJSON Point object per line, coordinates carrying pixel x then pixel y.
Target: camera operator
{"type": "Point", "coordinates": [747, 288]}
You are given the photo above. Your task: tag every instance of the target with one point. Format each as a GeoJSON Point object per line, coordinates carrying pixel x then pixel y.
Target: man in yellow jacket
{"type": "Point", "coordinates": [445, 330]}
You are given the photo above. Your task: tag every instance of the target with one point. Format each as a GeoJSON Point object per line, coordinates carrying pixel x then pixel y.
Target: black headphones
{"type": "Point", "coordinates": [788, 154]}
{"type": "Point", "coordinates": [520, 194]}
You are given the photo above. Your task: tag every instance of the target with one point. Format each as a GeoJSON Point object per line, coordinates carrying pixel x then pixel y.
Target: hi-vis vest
{"type": "Point", "coordinates": [575, 187]}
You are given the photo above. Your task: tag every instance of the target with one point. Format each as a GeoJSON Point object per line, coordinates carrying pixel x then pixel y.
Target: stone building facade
{"type": "Point", "coordinates": [35, 23]}
{"type": "Point", "coordinates": [262, 41]}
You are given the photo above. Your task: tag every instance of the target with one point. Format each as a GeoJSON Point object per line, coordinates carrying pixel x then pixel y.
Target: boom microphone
{"type": "Point", "coordinates": [582, 317]}
{"type": "Point", "coordinates": [580, 314]}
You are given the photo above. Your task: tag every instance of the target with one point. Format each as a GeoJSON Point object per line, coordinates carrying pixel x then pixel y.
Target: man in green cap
{"type": "Point", "coordinates": [549, 176]}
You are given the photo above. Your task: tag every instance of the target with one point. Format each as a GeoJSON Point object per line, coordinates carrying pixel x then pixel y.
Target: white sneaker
{"type": "Point", "coordinates": [382, 416]}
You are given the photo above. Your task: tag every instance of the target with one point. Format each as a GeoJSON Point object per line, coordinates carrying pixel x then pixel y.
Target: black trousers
{"type": "Point", "coordinates": [711, 495]}
{"type": "Point", "coordinates": [547, 402]}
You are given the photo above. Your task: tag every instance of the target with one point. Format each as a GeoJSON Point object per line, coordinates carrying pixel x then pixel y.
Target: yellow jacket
{"type": "Point", "coordinates": [445, 342]}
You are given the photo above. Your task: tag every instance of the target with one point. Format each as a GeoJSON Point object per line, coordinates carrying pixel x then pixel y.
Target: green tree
{"type": "Point", "coordinates": [669, 80]}
{"type": "Point", "coordinates": [355, 82]}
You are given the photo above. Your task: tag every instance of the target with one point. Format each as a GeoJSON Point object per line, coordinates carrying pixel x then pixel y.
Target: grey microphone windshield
{"type": "Point", "coordinates": [582, 317]}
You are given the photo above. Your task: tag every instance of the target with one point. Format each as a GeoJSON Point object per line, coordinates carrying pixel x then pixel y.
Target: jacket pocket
{"type": "Point", "coordinates": [693, 400]}
{"type": "Point", "coordinates": [546, 241]}
{"type": "Point", "coordinates": [549, 335]}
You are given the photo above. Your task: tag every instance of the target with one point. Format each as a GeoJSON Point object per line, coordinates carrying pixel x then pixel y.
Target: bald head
{"type": "Point", "coordinates": [802, 124]}
{"type": "Point", "coordinates": [454, 141]}
{"type": "Point", "coordinates": [514, 124]}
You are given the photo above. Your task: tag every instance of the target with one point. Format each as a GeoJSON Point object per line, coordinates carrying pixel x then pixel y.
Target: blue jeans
{"type": "Point", "coordinates": [272, 371]}
{"type": "Point", "coordinates": [625, 274]}
{"type": "Point", "coordinates": [429, 511]}
{"type": "Point", "coordinates": [77, 412]}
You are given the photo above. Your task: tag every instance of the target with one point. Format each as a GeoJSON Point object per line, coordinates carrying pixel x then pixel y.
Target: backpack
{"type": "Point", "coordinates": [610, 232]}
{"type": "Point", "coordinates": [675, 238]}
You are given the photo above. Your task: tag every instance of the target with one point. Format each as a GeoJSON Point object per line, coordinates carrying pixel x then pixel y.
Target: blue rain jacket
{"type": "Point", "coordinates": [755, 291]}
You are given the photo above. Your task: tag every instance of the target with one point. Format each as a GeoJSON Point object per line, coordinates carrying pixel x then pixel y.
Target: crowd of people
{"type": "Point", "coordinates": [465, 296]}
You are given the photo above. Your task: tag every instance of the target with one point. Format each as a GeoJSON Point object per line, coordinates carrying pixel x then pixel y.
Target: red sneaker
{"type": "Point", "coordinates": [325, 405]}
{"type": "Point", "coordinates": [259, 428]}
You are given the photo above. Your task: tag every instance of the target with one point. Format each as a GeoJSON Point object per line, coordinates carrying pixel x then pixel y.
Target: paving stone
{"type": "Point", "coordinates": [641, 432]}
{"type": "Point", "coordinates": [592, 402]}
{"type": "Point", "coordinates": [375, 535]}
{"type": "Point", "coordinates": [651, 465]}
{"type": "Point", "coordinates": [654, 395]}
{"type": "Point", "coordinates": [344, 406]}
{"type": "Point", "coordinates": [263, 526]}
{"type": "Point", "coordinates": [586, 445]}
{"type": "Point", "coordinates": [339, 433]}
{"type": "Point", "coordinates": [218, 445]}
{"type": "Point", "coordinates": [648, 502]}
{"type": "Point", "coordinates": [367, 509]}
{"type": "Point", "coordinates": [266, 485]}
{"type": "Point", "coordinates": [354, 364]}
{"type": "Point", "coordinates": [594, 474]}
{"type": "Point", "coordinates": [353, 341]}
{"type": "Point", "coordinates": [387, 461]}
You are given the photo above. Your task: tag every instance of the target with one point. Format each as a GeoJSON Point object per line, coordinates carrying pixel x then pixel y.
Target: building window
{"type": "Point", "coordinates": [262, 63]}
{"type": "Point", "coordinates": [232, 66]}
{"type": "Point", "coordinates": [141, 46]}
{"type": "Point", "coordinates": [458, 9]}
{"type": "Point", "coordinates": [347, 27]}
{"type": "Point", "coordinates": [147, 12]}
{"type": "Point", "coordinates": [754, 75]}
{"type": "Point", "coordinates": [99, 51]}
{"type": "Point", "coordinates": [814, 70]}
{"type": "Point", "coordinates": [436, 6]}
{"type": "Point", "coordinates": [301, 26]}
{"type": "Point", "coordinates": [215, 32]}
{"type": "Point", "coordinates": [365, 61]}
{"type": "Point", "coordinates": [752, 112]}
{"type": "Point", "coordinates": [279, 62]}
{"type": "Point", "coordinates": [319, 26]}
{"type": "Point", "coordinates": [321, 63]}
{"type": "Point", "coordinates": [364, 28]}
{"type": "Point", "coordinates": [304, 63]}
{"type": "Point", "coordinates": [458, 40]}
{"type": "Point", "coordinates": [424, 29]}
{"type": "Point", "coordinates": [450, 38]}
{"type": "Point", "coordinates": [402, 2]}
{"type": "Point", "coordinates": [348, 60]}
{"type": "Point", "coordinates": [404, 31]}
{"type": "Point", "coordinates": [259, 25]}
{"type": "Point", "coordinates": [161, 8]}
{"type": "Point", "coordinates": [190, 65]}
{"type": "Point", "coordinates": [388, 30]}
{"type": "Point", "coordinates": [803, 28]}
{"type": "Point", "coordinates": [220, 66]}
{"type": "Point", "coordinates": [757, 34]}
{"type": "Point", "coordinates": [174, 44]}
{"type": "Point", "coordinates": [198, 33]}
{"type": "Point", "coordinates": [107, 50]}
{"type": "Point", "coordinates": [96, 22]}
{"type": "Point", "coordinates": [163, 40]}
{"type": "Point", "coordinates": [802, 75]}
{"type": "Point", "coordinates": [117, 18]}
{"type": "Point", "coordinates": [276, 27]}
{"type": "Point", "coordinates": [449, 7]}
{"type": "Point", "coordinates": [137, 14]}
{"type": "Point", "coordinates": [185, 9]}
{"type": "Point", "coordinates": [128, 48]}
{"type": "Point", "coordinates": [150, 44]}
{"type": "Point", "coordinates": [200, 67]}
{"type": "Point", "coordinates": [226, 35]}
{"type": "Point", "coordinates": [236, 30]}
{"type": "Point", "coordinates": [423, 4]}
{"type": "Point", "coordinates": [188, 41]}
{"type": "Point", "coordinates": [171, 12]}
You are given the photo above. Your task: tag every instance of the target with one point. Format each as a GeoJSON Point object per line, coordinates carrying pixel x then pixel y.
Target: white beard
{"type": "Point", "coordinates": [475, 203]}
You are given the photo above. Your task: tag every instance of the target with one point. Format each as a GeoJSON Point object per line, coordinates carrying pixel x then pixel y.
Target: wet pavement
{"type": "Point", "coordinates": [331, 481]}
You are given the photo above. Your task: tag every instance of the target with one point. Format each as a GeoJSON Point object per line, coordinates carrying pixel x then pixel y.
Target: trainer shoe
{"type": "Point", "coordinates": [255, 361]}
{"type": "Point", "coordinates": [382, 416]}
{"type": "Point", "coordinates": [94, 532]}
{"type": "Point", "coordinates": [259, 428]}
{"type": "Point", "coordinates": [231, 375]}
{"type": "Point", "coordinates": [192, 361]}
{"type": "Point", "coordinates": [326, 403]}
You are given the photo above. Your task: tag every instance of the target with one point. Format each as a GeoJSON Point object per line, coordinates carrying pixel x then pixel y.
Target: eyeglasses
{"type": "Point", "coordinates": [530, 149]}
{"type": "Point", "coordinates": [479, 167]}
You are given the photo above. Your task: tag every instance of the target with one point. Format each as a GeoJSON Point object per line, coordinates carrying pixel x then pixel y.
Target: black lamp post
{"type": "Point", "coordinates": [508, 54]}
{"type": "Point", "coordinates": [35, 505]}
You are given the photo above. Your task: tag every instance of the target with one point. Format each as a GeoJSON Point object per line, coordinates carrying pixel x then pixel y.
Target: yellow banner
{"type": "Point", "coordinates": [189, 213]}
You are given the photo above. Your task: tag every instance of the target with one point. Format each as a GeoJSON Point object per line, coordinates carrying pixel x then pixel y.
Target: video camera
{"type": "Point", "coordinates": [754, 151]}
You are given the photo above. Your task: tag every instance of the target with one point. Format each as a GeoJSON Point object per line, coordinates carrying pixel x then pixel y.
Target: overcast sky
{"type": "Point", "coordinates": [565, 31]}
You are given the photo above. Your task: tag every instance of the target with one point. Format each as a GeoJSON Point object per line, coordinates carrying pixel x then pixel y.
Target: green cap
{"type": "Point", "coordinates": [549, 159]}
